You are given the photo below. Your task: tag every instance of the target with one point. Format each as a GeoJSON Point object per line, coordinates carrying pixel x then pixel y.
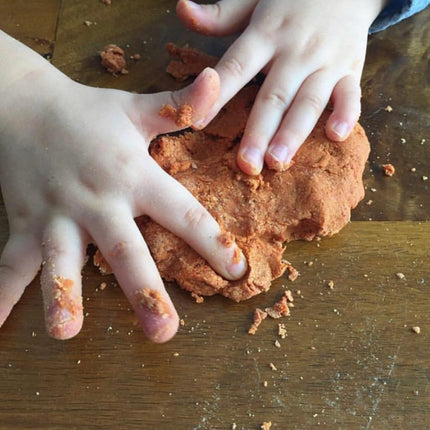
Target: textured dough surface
{"type": "Point", "coordinates": [313, 198]}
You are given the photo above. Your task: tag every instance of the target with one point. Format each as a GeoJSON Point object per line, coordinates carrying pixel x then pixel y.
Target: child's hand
{"type": "Point", "coordinates": [311, 51]}
{"type": "Point", "coordinates": [75, 168]}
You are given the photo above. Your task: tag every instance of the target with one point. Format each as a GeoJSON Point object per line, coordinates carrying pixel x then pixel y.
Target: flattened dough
{"type": "Point", "coordinates": [313, 198]}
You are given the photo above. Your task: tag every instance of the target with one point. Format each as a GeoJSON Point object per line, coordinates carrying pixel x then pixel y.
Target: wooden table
{"type": "Point", "coordinates": [350, 360]}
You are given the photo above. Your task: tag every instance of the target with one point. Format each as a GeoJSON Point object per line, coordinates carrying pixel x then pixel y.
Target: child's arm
{"type": "Point", "coordinates": [75, 168]}
{"type": "Point", "coordinates": [311, 51]}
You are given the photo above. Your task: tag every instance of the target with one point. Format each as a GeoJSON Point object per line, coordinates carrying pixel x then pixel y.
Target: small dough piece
{"type": "Point", "coordinates": [113, 59]}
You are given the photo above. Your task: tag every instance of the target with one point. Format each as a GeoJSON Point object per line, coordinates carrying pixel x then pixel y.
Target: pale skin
{"type": "Point", "coordinates": [74, 163]}
{"type": "Point", "coordinates": [75, 169]}
{"type": "Point", "coordinates": [312, 51]}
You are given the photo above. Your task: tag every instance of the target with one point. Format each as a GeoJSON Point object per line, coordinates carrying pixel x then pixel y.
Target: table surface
{"type": "Point", "coordinates": [350, 359]}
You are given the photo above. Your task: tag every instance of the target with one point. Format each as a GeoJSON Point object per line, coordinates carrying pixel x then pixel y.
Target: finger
{"type": "Point", "coordinates": [170, 111]}
{"type": "Point", "coordinates": [193, 223]}
{"type": "Point", "coordinates": [238, 66]}
{"type": "Point", "coordinates": [304, 112]}
{"type": "Point", "coordinates": [220, 19]}
{"type": "Point", "coordinates": [346, 108]}
{"type": "Point", "coordinates": [19, 264]}
{"type": "Point", "coordinates": [273, 100]}
{"type": "Point", "coordinates": [122, 245]}
{"type": "Point", "coordinates": [63, 250]}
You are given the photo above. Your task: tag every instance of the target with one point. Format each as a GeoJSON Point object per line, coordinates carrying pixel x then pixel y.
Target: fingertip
{"type": "Point", "coordinates": [161, 331]}
{"type": "Point", "coordinates": [63, 308]}
{"type": "Point", "coordinates": [204, 93]}
{"type": "Point", "coordinates": [157, 315]}
{"type": "Point", "coordinates": [250, 160]}
{"type": "Point", "coordinates": [239, 265]}
{"type": "Point", "coordinates": [65, 330]}
{"type": "Point", "coordinates": [278, 157]}
{"type": "Point", "coordinates": [338, 130]}
{"type": "Point", "coordinates": [187, 12]}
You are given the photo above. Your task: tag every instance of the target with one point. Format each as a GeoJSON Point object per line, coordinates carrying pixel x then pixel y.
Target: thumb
{"type": "Point", "coordinates": [174, 110]}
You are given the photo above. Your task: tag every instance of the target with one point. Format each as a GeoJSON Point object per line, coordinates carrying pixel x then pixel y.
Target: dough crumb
{"type": "Point", "coordinates": [416, 329]}
{"type": "Point", "coordinates": [199, 299]}
{"type": "Point", "coordinates": [389, 169]}
{"type": "Point", "coordinates": [293, 273]}
{"type": "Point", "coordinates": [388, 109]}
{"type": "Point", "coordinates": [259, 316]}
{"type": "Point", "coordinates": [153, 301]}
{"type": "Point", "coordinates": [100, 262]}
{"type": "Point", "coordinates": [282, 331]}
{"type": "Point", "coordinates": [266, 425]}
{"type": "Point", "coordinates": [330, 284]}
{"type": "Point", "coordinates": [273, 367]}
{"type": "Point", "coordinates": [400, 275]}
{"type": "Point", "coordinates": [188, 61]}
{"type": "Point", "coordinates": [113, 59]}
{"type": "Point", "coordinates": [281, 307]}
{"type": "Point", "coordinates": [183, 117]}
{"type": "Point", "coordinates": [107, 2]}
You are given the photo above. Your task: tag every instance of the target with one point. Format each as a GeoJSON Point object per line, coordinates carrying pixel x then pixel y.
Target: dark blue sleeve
{"type": "Point", "coordinates": [396, 11]}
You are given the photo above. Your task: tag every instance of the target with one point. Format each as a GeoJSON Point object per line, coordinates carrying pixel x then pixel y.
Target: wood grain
{"type": "Point", "coordinates": [350, 360]}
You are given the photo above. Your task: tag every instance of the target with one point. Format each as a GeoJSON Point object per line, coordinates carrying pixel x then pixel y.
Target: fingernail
{"type": "Point", "coordinates": [238, 266]}
{"type": "Point", "coordinates": [253, 158]}
{"type": "Point", "coordinates": [341, 129]}
{"type": "Point", "coordinates": [280, 157]}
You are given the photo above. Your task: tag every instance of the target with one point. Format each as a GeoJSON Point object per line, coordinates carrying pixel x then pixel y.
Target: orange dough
{"type": "Point", "coordinates": [313, 198]}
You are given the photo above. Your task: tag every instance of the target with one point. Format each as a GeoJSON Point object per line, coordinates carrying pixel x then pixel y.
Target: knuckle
{"type": "Point", "coordinates": [277, 98]}
{"type": "Point", "coordinates": [196, 216]}
{"type": "Point", "coordinates": [314, 102]}
{"type": "Point", "coordinates": [234, 67]}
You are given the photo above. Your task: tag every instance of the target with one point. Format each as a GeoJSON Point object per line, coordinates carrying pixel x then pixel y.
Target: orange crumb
{"type": "Point", "coordinates": [226, 239]}
{"type": "Point", "coordinates": [136, 57]}
{"type": "Point", "coordinates": [259, 316]}
{"type": "Point", "coordinates": [107, 2]}
{"type": "Point", "coordinates": [272, 366]}
{"type": "Point", "coordinates": [100, 262]}
{"type": "Point", "coordinates": [282, 331]}
{"type": "Point", "coordinates": [113, 59]}
{"type": "Point", "coordinates": [389, 169]}
{"type": "Point", "coordinates": [183, 117]}
{"type": "Point", "coordinates": [236, 256]}
{"type": "Point", "coordinates": [281, 307]}
{"type": "Point", "coordinates": [292, 272]}
{"type": "Point", "coordinates": [199, 299]}
{"type": "Point", "coordinates": [153, 301]}
{"type": "Point", "coordinates": [65, 306]}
